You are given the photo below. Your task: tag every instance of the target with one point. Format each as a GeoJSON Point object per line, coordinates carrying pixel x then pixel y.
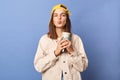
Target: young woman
{"type": "Point", "coordinates": [50, 60]}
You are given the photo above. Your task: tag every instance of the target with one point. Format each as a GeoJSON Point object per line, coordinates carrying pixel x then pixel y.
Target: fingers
{"type": "Point", "coordinates": [64, 43]}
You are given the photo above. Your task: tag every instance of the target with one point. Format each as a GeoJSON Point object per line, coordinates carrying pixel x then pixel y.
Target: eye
{"type": "Point", "coordinates": [63, 14]}
{"type": "Point", "coordinates": [55, 15]}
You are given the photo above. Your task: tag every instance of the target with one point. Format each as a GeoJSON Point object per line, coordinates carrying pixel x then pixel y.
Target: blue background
{"type": "Point", "coordinates": [23, 22]}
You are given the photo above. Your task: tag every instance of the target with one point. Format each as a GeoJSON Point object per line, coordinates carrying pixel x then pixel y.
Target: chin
{"type": "Point", "coordinates": [59, 27]}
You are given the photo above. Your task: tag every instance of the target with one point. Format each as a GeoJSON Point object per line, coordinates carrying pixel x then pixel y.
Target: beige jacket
{"type": "Point", "coordinates": [67, 65]}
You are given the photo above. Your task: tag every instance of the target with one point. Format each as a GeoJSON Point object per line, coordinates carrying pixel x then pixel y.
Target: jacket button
{"type": "Point", "coordinates": [63, 61]}
{"type": "Point", "coordinates": [65, 72]}
{"type": "Point", "coordinates": [72, 65]}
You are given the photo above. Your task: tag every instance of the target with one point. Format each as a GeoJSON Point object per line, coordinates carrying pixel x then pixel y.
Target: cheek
{"type": "Point", "coordinates": [64, 21]}
{"type": "Point", "coordinates": [54, 20]}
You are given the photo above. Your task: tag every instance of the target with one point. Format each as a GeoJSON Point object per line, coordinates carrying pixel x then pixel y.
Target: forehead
{"type": "Point", "coordinates": [59, 11]}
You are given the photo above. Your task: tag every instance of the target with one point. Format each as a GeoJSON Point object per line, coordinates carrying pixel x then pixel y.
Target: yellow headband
{"type": "Point", "coordinates": [61, 6]}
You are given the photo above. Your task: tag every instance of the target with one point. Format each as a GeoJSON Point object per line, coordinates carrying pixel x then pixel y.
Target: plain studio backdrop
{"type": "Point", "coordinates": [23, 22]}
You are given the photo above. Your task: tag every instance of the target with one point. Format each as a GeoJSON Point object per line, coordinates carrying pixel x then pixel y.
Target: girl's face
{"type": "Point", "coordinates": [59, 18]}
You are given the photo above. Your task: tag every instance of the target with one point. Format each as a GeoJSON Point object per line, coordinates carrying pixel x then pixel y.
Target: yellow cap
{"type": "Point", "coordinates": [61, 6]}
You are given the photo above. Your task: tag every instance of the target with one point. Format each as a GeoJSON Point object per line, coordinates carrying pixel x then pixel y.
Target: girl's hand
{"type": "Point", "coordinates": [62, 44]}
{"type": "Point", "coordinates": [69, 47]}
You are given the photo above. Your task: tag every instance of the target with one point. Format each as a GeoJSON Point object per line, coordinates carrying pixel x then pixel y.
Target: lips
{"type": "Point", "coordinates": [59, 22]}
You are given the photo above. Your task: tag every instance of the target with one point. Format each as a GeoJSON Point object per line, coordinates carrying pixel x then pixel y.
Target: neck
{"type": "Point", "coordinates": [59, 31]}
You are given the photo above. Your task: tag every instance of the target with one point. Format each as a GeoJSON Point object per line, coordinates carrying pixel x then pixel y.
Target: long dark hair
{"type": "Point", "coordinates": [52, 29]}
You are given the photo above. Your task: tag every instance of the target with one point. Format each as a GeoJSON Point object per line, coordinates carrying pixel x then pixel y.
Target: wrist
{"type": "Point", "coordinates": [56, 53]}
{"type": "Point", "coordinates": [70, 50]}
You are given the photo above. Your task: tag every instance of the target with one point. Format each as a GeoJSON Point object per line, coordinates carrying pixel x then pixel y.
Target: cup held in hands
{"type": "Point", "coordinates": [66, 35]}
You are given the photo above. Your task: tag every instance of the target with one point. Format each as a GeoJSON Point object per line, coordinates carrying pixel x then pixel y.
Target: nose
{"type": "Point", "coordinates": [59, 17]}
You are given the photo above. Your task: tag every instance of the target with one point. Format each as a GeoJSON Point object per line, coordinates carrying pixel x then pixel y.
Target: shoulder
{"type": "Point", "coordinates": [44, 38]}
{"type": "Point", "coordinates": [76, 39]}
{"type": "Point", "coordinates": [75, 36]}
{"type": "Point", "coordinates": [44, 41]}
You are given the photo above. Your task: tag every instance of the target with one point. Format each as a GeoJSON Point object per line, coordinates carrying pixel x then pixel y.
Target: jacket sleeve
{"type": "Point", "coordinates": [42, 61]}
{"type": "Point", "coordinates": [78, 58]}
